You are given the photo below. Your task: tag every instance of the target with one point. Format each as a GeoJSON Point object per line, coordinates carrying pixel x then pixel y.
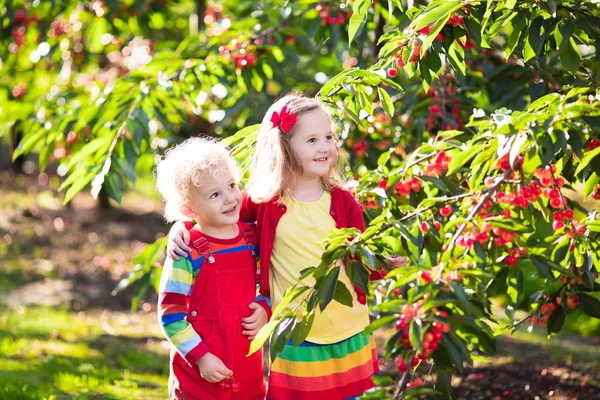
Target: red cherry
{"type": "Point", "coordinates": [424, 227]}
{"type": "Point", "coordinates": [428, 337]}
{"type": "Point", "coordinates": [401, 325]}
{"type": "Point", "coordinates": [426, 276]}
{"type": "Point", "coordinates": [437, 225]}
{"type": "Point", "coordinates": [558, 216]}
{"type": "Point", "coordinates": [555, 202]}
{"type": "Point", "coordinates": [18, 91]}
{"type": "Point", "coordinates": [399, 61]}
{"type": "Point", "coordinates": [446, 211]}
{"type": "Point", "coordinates": [392, 72]}
{"type": "Point", "coordinates": [71, 137]}
{"type": "Point", "coordinates": [415, 383]}
{"type": "Point", "coordinates": [568, 214]}
{"type": "Point", "coordinates": [556, 225]}
{"type": "Point", "coordinates": [414, 362]}
{"type": "Point", "coordinates": [362, 299]}
{"type": "Point", "coordinates": [235, 387]}
{"type": "Point", "coordinates": [402, 367]}
{"type": "Point", "coordinates": [511, 261]}
{"type": "Point", "coordinates": [223, 385]}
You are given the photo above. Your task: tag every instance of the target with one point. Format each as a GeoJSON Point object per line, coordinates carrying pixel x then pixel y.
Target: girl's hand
{"type": "Point", "coordinates": [396, 261]}
{"type": "Point", "coordinates": [179, 237]}
{"type": "Point", "coordinates": [257, 320]}
{"type": "Point", "coordinates": [212, 368]}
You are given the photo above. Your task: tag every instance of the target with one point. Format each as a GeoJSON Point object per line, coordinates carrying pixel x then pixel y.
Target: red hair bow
{"type": "Point", "coordinates": [285, 120]}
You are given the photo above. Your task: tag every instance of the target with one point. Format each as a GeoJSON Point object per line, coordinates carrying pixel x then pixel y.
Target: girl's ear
{"type": "Point", "coordinates": [187, 211]}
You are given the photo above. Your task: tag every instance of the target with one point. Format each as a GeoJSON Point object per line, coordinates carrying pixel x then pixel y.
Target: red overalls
{"type": "Point", "coordinates": [219, 300]}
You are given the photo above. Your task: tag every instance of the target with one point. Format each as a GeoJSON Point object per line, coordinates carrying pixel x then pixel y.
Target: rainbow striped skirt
{"type": "Point", "coordinates": [338, 371]}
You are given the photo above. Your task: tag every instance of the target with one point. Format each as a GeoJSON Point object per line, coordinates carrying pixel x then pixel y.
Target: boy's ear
{"type": "Point", "coordinates": [187, 211]}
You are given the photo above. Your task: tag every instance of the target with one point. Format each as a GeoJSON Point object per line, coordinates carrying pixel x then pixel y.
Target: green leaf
{"type": "Point", "coordinates": [281, 335]}
{"type": "Point", "coordinates": [416, 333]}
{"type": "Point", "coordinates": [590, 305]}
{"type": "Point", "coordinates": [569, 56]}
{"type": "Point", "coordinates": [357, 20]}
{"type": "Point", "coordinates": [556, 320]}
{"type": "Point", "coordinates": [289, 296]}
{"type": "Point", "coordinates": [82, 182]}
{"type": "Point", "coordinates": [517, 27]}
{"type": "Point", "coordinates": [386, 101]}
{"type": "Point", "coordinates": [564, 31]}
{"type": "Point", "coordinates": [301, 332]}
{"type": "Point", "coordinates": [432, 35]}
{"type": "Point", "coordinates": [462, 157]}
{"type": "Point", "coordinates": [380, 322]}
{"type": "Point", "coordinates": [453, 353]}
{"type": "Point", "coordinates": [114, 186]}
{"type": "Point", "coordinates": [435, 12]}
{"type": "Point", "coordinates": [587, 158]}
{"type": "Point", "coordinates": [559, 253]}
{"type": "Point", "coordinates": [327, 287]}
{"type": "Point", "coordinates": [531, 45]}
{"type": "Point", "coordinates": [262, 336]}
{"type": "Point", "coordinates": [542, 267]}
{"type": "Point", "coordinates": [342, 294]}
{"type": "Point", "coordinates": [498, 284]}
{"type": "Point", "coordinates": [590, 184]}
{"type": "Point", "coordinates": [510, 4]}
{"type": "Point", "coordinates": [456, 56]}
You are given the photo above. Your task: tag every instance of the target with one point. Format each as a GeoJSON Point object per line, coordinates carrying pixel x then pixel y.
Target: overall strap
{"type": "Point", "coordinates": [248, 233]}
{"type": "Point", "coordinates": [201, 244]}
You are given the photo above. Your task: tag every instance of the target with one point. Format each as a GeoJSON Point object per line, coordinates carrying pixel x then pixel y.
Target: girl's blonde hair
{"type": "Point", "coordinates": [275, 166]}
{"type": "Point", "coordinates": [187, 166]}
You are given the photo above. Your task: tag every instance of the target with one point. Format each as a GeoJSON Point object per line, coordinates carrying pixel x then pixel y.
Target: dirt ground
{"type": "Point", "coordinates": [55, 255]}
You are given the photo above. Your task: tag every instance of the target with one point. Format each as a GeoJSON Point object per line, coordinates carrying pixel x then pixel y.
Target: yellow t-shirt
{"type": "Point", "coordinates": [297, 247]}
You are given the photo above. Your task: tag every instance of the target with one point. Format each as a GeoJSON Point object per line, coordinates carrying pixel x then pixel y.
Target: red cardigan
{"type": "Point", "coordinates": [344, 210]}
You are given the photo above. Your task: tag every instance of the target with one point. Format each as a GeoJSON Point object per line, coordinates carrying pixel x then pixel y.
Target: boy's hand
{"type": "Point", "coordinates": [257, 320]}
{"type": "Point", "coordinates": [212, 368]}
{"type": "Point", "coordinates": [396, 261]}
{"type": "Point", "coordinates": [179, 237]}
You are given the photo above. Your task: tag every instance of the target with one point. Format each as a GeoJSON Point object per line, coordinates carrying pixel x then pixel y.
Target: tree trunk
{"type": "Point", "coordinates": [103, 200]}
{"type": "Point", "coordinates": [15, 139]}
{"type": "Point", "coordinates": [197, 19]}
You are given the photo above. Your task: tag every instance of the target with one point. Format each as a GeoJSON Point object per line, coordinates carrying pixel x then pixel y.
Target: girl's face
{"type": "Point", "coordinates": [314, 144]}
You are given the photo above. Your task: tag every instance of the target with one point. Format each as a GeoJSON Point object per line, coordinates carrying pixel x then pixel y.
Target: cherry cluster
{"type": "Point", "coordinates": [431, 338]}
{"type": "Point", "coordinates": [229, 384]}
{"type": "Point", "coordinates": [241, 56]}
{"type": "Point", "coordinates": [330, 17]}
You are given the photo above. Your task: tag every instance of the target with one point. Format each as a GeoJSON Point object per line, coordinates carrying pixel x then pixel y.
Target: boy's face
{"type": "Point", "coordinates": [314, 144]}
{"type": "Point", "coordinates": [216, 204]}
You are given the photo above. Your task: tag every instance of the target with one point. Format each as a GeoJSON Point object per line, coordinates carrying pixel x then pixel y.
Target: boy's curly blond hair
{"type": "Point", "coordinates": [185, 167]}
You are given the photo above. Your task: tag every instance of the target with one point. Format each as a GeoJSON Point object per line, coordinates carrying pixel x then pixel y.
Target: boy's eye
{"type": "Point", "coordinates": [329, 137]}
{"type": "Point", "coordinates": [214, 195]}
{"type": "Point", "coordinates": [312, 140]}
{"type": "Point", "coordinates": [232, 186]}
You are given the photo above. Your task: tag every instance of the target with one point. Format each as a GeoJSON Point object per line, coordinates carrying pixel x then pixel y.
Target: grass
{"type": "Point", "coordinates": [54, 354]}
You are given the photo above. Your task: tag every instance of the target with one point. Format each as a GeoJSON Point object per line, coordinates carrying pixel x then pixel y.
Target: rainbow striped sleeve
{"type": "Point", "coordinates": [173, 297]}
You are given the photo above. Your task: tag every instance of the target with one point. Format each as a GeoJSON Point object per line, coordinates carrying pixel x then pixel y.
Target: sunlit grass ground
{"type": "Point", "coordinates": [54, 354]}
